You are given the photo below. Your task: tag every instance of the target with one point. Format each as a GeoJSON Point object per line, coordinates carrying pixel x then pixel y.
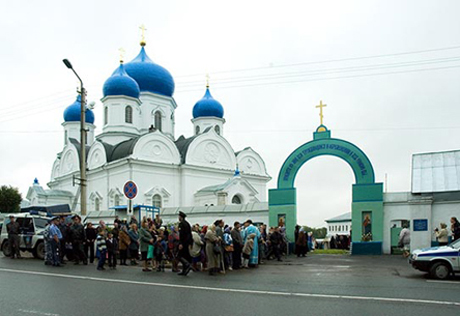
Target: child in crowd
{"type": "Point", "coordinates": [159, 254]}
{"type": "Point", "coordinates": [112, 250]}
{"type": "Point", "coordinates": [247, 249]}
{"type": "Point", "coordinates": [102, 248]}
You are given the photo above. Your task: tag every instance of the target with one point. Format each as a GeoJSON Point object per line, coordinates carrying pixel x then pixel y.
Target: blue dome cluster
{"type": "Point", "coordinates": [120, 83]}
{"type": "Point", "coordinates": [208, 106]}
{"type": "Point", "coordinates": [150, 76]}
{"type": "Point", "coordinates": [72, 112]}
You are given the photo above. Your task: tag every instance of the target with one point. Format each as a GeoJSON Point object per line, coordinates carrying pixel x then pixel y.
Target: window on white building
{"type": "Point", "coordinates": [158, 121]}
{"type": "Point", "coordinates": [236, 200]}
{"type": "Point", "coordinates": [197, 130]}
{"type": "Point", "coordinates": [129, 114]}
{"type": "Point", "coordinates": [97, 204]}
{"type": "Point", "coordinates": [217, 129]}
{"type": "Point", "coordinates": [116, 200]}
{"type": "Point", "coordinates": [156, 200]}
{"type": "Point", "coordinates": [106, 115]}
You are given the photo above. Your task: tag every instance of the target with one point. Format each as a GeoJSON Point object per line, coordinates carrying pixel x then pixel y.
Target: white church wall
{"type": "Point", "coordinates": [70, 161]}
{"type": "Point", "coordinates": [97, 156]}
{"type": "Point", "coordinates": [151, 103]}
{"type": "Point", "coordinates": [395, 208]}
{"type": "Point", "coordinates": [200, 124]}
{"type": "Point", "coordinates": [193, 179]}
{"type": "Point", "coordinates": [250, 162]}
{"type": "Point", "coordinates": [211, 150]}
{"type": "Point", "coordinates": [156, 147]}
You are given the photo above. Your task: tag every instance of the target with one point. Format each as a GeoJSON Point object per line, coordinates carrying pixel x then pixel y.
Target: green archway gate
{"type": "Point", "coordinates": [367, 202]}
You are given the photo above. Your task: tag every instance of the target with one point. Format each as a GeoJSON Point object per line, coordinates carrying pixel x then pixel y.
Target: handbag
{"type": "Point", "coordinates": [150, 252]}
{"type": "Point", "coordinates": [216, 249]}
{"type": "Point", "coordinates": [229, 248]}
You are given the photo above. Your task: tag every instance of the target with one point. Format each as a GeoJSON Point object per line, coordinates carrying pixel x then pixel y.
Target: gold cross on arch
{"type": "Point", "coordinates": [321, 106]}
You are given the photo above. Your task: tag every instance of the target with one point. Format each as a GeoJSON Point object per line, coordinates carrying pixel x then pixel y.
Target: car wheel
{"type": "Point", "coordinates": [39, 251]}
{"type": "Point", "coordinates": [6, 249]}
{"type": "Point", "coordinates": [440, 270]}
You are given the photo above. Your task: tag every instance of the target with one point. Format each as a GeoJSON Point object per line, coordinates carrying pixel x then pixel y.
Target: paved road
{"type": "Point", "coordinates": [317, 285]}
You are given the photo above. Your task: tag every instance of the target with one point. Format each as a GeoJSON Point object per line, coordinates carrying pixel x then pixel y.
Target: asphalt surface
{"type": "Point", "coordinates": [316, 285]}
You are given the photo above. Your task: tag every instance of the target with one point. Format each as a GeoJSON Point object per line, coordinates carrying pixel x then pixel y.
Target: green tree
{"type": "Point", "coordinates": [317, 232]}
{"type": "Point", "coordinates": [10, 199]}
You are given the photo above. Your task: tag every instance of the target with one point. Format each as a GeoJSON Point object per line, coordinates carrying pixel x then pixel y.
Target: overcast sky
{"type": "Point", "coordinates": [389, 72]}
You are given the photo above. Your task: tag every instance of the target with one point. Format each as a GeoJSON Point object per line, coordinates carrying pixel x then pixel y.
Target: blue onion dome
{"type": "Point", "coordinates": [120, 83]}
{"type": "Point", "coordinates": [208, 106]}
{"type": "Point", "coordinates": [150, 76]}
{"type": "Point", "coordinates": [72, 113]}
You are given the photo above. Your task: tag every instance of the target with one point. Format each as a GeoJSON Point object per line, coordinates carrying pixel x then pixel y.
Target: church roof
{"type": "Point", "coordinates": [208, 107]}
{"type": "Point", "coordinates": [38, 189]}
{"type": "Point", "coordinates": [182, 145]}
{"type": "Point", "coordinates": [215, 188]}
{"type": "Point", "coordinates": [76, 143]}
{"type": "Point", "coordinates": [123, 149]}
{"type": "Point", "coordinates": [341, 218]}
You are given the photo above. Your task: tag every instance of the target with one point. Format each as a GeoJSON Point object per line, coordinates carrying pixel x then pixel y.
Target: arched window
{"type": "Point", "coordinates": [129, 114]}
{"type": "Point", "coordinates": [116, 200]}
{"type": "Point", "coordinates": [236, 200]}
{"type": "Point", "coordinates": [97, 204]}
{"type": "Point", "coordinates": [217, 129]}
{"type": "Point", "coordinates": [65, 137]}
{"type": "Point", "coordinates": [158, 121]}
{"type": "Point", "coordinates": [197, 130]}
{"type": "Point", "coordinates": [156, 200]}
{"type": "Point", "coordinates": [106, 115]}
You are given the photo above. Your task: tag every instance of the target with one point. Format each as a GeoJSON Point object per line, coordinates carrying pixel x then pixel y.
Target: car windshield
{"type": "Point", "coordinates": [40, 222]}
{"type": "Point", "coordinates": [455, 244]}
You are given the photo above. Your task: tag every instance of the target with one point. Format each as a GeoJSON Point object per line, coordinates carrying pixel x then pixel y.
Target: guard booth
{"type": "Point", "coordinates": [139, 211]}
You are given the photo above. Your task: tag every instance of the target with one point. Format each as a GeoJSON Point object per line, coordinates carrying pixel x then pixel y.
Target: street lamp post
{"type": "Point", "coordinates": [82, 140]}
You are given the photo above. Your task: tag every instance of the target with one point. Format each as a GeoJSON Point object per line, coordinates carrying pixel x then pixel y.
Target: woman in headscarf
{"type": "Point", "coordinates": [134, 245]}
{"type": "Point", "coordinates": [212, 257]}
{"type": "Point", "coordinates": [173, 248]}
{"type": "Point", "coordinates": [124, 244]}
{"type": "Point", "coordinates": [145, 239]}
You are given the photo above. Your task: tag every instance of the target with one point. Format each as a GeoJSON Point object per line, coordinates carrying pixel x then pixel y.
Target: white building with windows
{"type": "Point", "coordinates": [138, 143]}
{"type": "Point", "coordinates": [339, 225]}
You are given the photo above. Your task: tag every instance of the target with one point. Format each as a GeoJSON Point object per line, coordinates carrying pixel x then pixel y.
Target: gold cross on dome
{"type": "Point", "coordinates": [321, 106]}
{"type": "Point", "coordinates": [207, 80]}
{"type": "Point", "coordinates": [143, 29]}
{"type": "Point", "coordinates": [122, 54]}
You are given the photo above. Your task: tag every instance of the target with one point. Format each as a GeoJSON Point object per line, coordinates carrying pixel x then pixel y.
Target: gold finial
{"type": "Point", "coordinates": [321, 106]}
{"type": "Point", "coordinates": [122, 54]}
{"type": "Point", "coordinates": [207, 81]}
{"type": "Point", "coordinates": [143, 29]}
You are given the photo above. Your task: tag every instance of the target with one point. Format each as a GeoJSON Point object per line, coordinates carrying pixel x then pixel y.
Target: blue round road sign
{"type": "Point", "coordinates": [130, 190]}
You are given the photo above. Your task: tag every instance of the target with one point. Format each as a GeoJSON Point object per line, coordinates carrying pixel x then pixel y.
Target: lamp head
{"type": "Point", "coordinates": [67, 63]}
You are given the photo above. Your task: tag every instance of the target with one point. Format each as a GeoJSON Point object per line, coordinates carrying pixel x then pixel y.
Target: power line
{"type": "Point", "coordinates": [331, 78]}
{"type": "Point", "coordinates": [330, 71]}
{"type": "Point", "coordinates": [329, 61]}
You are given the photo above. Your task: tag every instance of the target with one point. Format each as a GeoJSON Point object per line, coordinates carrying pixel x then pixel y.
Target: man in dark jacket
{"type": "Point", "coordinates": [13, 230]}
{"type": "Point", "coordinates": [91, 235]}
{"type": "Point", "coordinates": [78, 237]}
{"type": "Point", "coordinates": [237, 245]}
{"type": "Point", "coordinates": [185, 240]}
{"type": "Point", "coordinates": [65, 237]}
{"type": "Point", "coordinates": [275, 240]}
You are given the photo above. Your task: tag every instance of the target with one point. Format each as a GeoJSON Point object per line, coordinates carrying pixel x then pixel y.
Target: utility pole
{"type": "Point", "coordinates": [82, 140]}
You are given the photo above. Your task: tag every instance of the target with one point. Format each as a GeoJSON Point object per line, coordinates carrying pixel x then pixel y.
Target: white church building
{"type": "Point", "coordinates": [138, 143]}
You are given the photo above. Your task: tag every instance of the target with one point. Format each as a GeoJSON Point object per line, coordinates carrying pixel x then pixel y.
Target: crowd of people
{"type": "Point", "coordinates": [216, 248]}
